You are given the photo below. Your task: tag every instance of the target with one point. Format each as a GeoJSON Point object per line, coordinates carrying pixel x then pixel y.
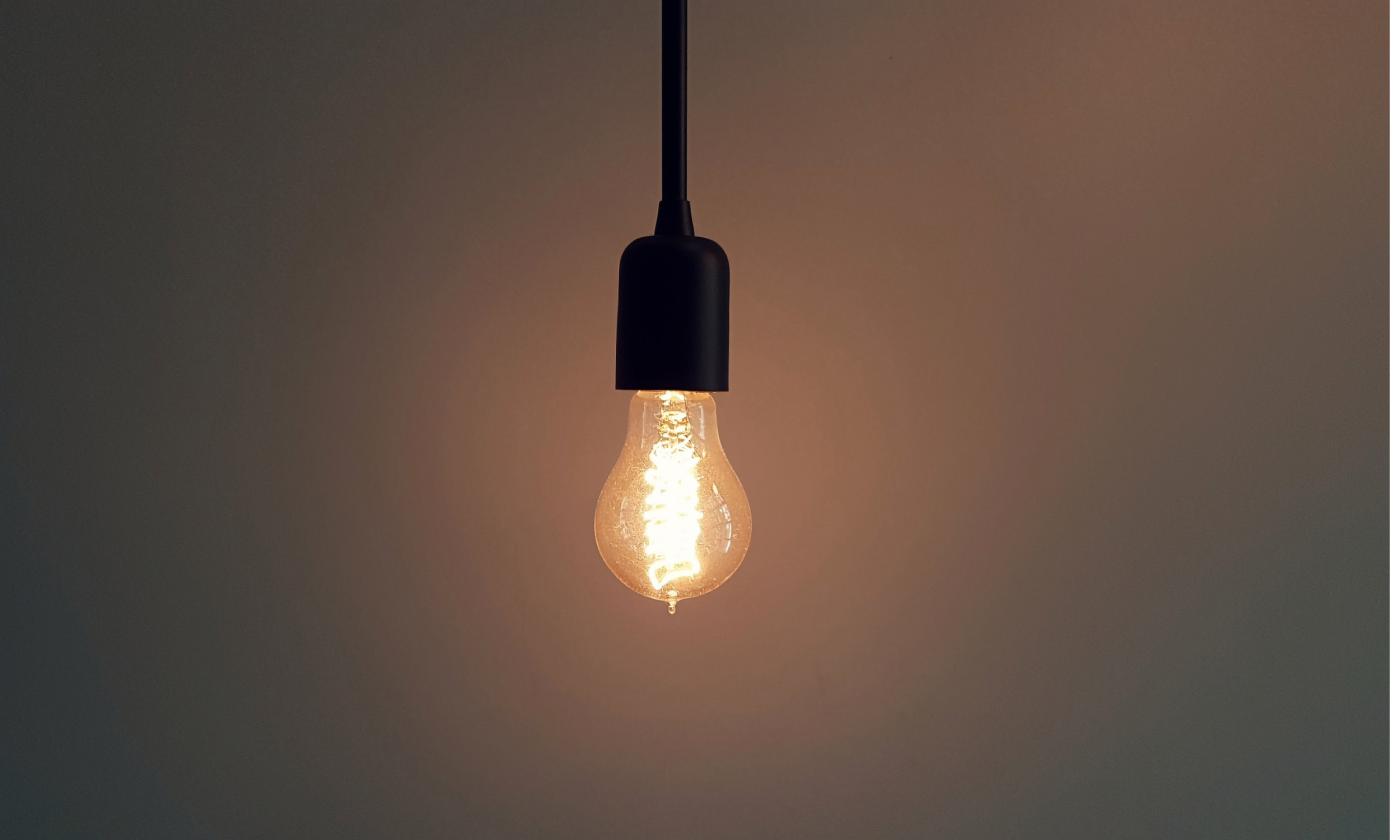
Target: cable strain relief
{"type": "Point", "coordinates": [673, 218]}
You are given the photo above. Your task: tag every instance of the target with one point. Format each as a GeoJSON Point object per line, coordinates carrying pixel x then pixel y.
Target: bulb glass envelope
{"type": "Point", "coordinates": [673, 521]}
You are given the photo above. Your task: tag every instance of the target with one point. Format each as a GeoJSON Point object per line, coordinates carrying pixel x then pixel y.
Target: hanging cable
{"type": "Point", "coordinates": [673, 99]}
{"type": "Point", "coordinates": [673, 216]}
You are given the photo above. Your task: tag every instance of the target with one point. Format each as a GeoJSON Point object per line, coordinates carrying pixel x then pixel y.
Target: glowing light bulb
{"type": "Point", "coordinates": [672, 521]}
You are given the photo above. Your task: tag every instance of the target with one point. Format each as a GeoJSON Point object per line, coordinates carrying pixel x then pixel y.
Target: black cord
{"type": "Point", "coordinates": [673, 216]}
{"type": "Point", "coordinates": [673, 99]}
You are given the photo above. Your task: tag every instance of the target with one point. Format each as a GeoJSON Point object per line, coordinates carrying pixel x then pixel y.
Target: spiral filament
{"type": "Point", "coordinates": [672, 511]}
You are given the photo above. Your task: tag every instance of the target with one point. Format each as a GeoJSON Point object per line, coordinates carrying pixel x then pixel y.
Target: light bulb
{"type": "Point", "coordinates": [672, 521]}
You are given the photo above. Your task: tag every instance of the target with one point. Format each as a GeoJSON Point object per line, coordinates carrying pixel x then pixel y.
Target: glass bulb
{"type": "Point", "coordinates": [672, 521]}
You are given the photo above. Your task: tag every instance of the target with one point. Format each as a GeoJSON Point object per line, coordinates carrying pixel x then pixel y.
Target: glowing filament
{"type": "Point", "coordinates": [672, 512]}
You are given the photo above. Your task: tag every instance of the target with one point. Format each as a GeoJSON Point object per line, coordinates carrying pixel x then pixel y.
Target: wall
{"type": "Point", "coordinates": [1058, 391]}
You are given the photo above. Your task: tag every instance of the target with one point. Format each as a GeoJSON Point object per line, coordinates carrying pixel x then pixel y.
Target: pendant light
{"type": "Point", "coordinates": [672, 521]}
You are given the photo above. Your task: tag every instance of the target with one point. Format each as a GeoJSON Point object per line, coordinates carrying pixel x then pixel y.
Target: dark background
{"type": "Point", "coordinates": [1059, 391]}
